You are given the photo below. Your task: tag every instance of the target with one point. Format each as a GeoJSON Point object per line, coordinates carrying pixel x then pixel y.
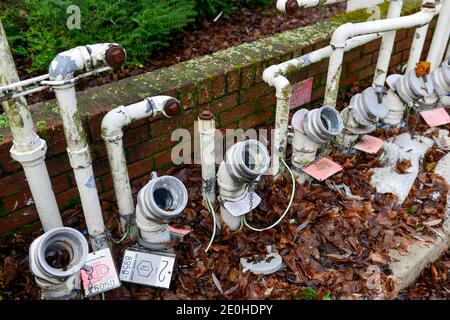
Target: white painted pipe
{"type": "Point", "coordinates": [207, 128]}
{"type": "Point", "coordinates": [275, 76]}
{"type": "Point", "coordinates": [349, 30]}
{"type": "Point", "coordinates": [387, 45]}
{"type": "Point", "coordinates": [112, 133]}
{"type": "Point", "coordinates": [64, 67]}
{"type": "Point", "coordinates": [28, 149]}
{"type": "Point", "coordinates": [243, 165]}
{"type": "Point", "coordinates": [56, 258]}
{"type": "Point", "coordinates": [290, 6]}
{"type": "Point", "coordinates": [160, 200]}
{"type": "Point", "coordinates": [440, 36]}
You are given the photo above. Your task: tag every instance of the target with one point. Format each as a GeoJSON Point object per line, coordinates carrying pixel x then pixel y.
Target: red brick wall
{"type": "Point", "coordinates": [234, 92]}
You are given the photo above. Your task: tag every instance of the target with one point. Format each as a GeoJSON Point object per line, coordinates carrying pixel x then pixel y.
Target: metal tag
{"type": "Point", "coordinates": [150, 269]}
{"type": "Point", "coordinates": [322, 169]}
{"type": "Point", "coordinates": [239, 208]}
{"type": "Point", "coordinates": [369, 144]}
{"type": "Point", "coordinates": [102, 274]}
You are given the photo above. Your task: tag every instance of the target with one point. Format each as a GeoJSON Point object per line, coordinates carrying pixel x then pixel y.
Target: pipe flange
{"type": "Point", "coordinates": [368, 107]}
{"type": "Point", "coordinates": [441, 78]}
{"type": "Point", "coordinates": [247, 160]}
{"type": "Point", "coordinates": [412, 88]}
{"type": "Point", "coordinates": [67, 241]}
{"type": "Point", "coordinates": [29, 157]}
{"type": "Point", "coordinates": [323, 124]}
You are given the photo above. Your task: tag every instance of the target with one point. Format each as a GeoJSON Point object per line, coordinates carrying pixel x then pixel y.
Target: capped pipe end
{"type": "Point", "coordinates": [115, 56]}
{"type": "Point", "coordinates": [172, 107]}
{"type": "Point", "coordinates": [206, 115]}
{"type": "Point", "coordinates": [291, 7]}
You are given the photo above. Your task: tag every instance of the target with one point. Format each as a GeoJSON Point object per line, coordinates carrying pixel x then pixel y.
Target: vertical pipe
{"type": "Point", "coordinates": [28, 148]}
{"type": "Point", "coordinates": [441, 34]}
{"type": "Point", "coordinates": [416, 47]}
{"type": "Point", "coordinates": [81, 162]}
{"type": "Point", "coordinates": [206, 128]}
{"type": "Point", "coordinates": [387, 45]}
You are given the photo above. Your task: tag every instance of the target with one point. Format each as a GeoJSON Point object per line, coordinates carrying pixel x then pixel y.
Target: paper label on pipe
{"type": "Point", "coordinates": [369, 144]}
{"type": "Point", "coordinates": [436, 117]}
{"type": "Point", "coordinates": [239, 208]}
{"type": "Point", "coordinates": [301, 93]}
{"type": "Point", "coordinates": [147, 268]}
{"type": "Point", "coordinates": [179, 231]}
{"type": "Point", "coordinates": [322, 169]}
{"type": "Point", "coordinates": [392, 80]}
{"type": "Point", "coordinates": [102, 274]}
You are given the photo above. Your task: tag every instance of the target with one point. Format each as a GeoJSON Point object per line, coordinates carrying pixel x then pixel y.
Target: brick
{"type": "Point", "coordinates": [400, 35]}
{"type": "Point", "coordinates": [163, 126]}
{"type": "Point", "coordinates": [372, 46]}
{"type": "Point", "coordinates": [233, 79]}
{"type": "Point", "coordinates": [359, 64]}
{"type": "Point", "coordinates": [221, 104]}
{"type": "Point", "coordinates": [186, 95]}
{"type": "Point", "coordinates": [256, 119]}
{"type": "Point", "coordinates": [236, 113]}
{"type": "Point", "coordinates": [316, 68]}
{"type": "Point", "coordinates": [318, 93]}
{"type": "Point", "coordinates": [403, 45]}
{"type": "Point", "coordinates": [248, 73]}
{"type": "Point", "coordinates": [367, 72]}
{"type": "Point", "coordinates": [18, 219]}
{"type": "Point", "coordinates": [255, 91]}
{"type": "Point", "coordinates": [63, 182]}
{"type": "Point", "coordinates": [163, 158]}
{"type": "Point", "coordinates": [140, 168]}
{"type": "Point", "coordinates": [66, 198]}
{"type": "Point", "coordinates": [352, 55]}
{"type": "Point", "coordinates": [12, 184]}
{"type": "Point", "coordinates": [396, 59]}
{"type": "Point", "coordinates": [58, 165]}
{"type": "Point", "coordinates": [204, 91]}
{"type": "Point", "coordinates": [134, 136]}
{"type": "Point", "coordinates": [18, 201]}
{"type": "Point", "coordinates": [219, 85]}
{"type": "Point", "coordinates": [147, 148]}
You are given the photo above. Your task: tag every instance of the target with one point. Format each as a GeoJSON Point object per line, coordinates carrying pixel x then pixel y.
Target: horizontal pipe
{"type": "Point", "coordinates": [290, 6]}
{"type": "Point", "coordinates": [349, 30]}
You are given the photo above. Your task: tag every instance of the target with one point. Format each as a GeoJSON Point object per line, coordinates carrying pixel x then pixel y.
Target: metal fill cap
{"type": "Point", "coordinates": [372, 104]}
{"type": "Point", "coordinates": [419, 86]}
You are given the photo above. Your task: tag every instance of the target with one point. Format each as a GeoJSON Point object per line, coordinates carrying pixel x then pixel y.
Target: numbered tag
{"type": "Point", "coordinates": [151, 269]}
{"type": "Point", "coordinates": [322, 169]}
{"type": "Point", "coordinates": [369, 144]}
{"type": "Point", "coordinates": [436, 117]}
{"type": "Point", "coordinates": [99, 274]}
{"type": "Point", "coordinates": [301, 93]}
{"type": "Point", "coordinates": [239, 208]}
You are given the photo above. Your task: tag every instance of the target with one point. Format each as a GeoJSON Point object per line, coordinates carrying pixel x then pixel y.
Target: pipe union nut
{"type": "Point", "coordinates": [323, 124]}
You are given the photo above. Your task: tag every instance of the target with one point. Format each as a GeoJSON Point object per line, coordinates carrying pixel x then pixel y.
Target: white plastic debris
{"type": "Point", "coordinates": [402, 147]}
{"type": "Point", "coordinates": [443, 168]}
{"type": "Point", "coordinates": [271, 264]}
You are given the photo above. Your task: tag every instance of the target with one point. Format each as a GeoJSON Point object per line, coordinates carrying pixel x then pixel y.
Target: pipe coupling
{"type": "Point", "coordinates": [441, 78]}
{"type": "Point", "coordinates": [56, 258]}
{"type": "Point", "coordinates": [322, 125]}
{"type": "Point", "coordinates": [411, 88]}
{"type": "Point", "coordinates": [160, 200]}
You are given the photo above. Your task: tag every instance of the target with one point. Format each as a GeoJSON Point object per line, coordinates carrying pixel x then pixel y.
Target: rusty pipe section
{"type": "Point", "coordinates": [63, 70]}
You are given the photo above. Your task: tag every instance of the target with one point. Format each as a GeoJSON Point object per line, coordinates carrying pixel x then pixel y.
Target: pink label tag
{"type": "Point", "coordinates": [322, 169]}
{"type": "Point", "coordinates": [369, 144]}
{"type": "Point", "coordinates": [183, 232]}
{"type": "Point", "coordinates": [301, 93]}
{"type": "Point", "coordinates": [102, 275]}
{"type": "Point", "coordinates": [436, 117]}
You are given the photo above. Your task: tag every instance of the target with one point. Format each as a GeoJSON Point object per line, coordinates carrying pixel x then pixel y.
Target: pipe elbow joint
{"type": "Point", "coordinates": [270, 74]}
{"type": "Point", "coordinates": [342, 34]}
{"type": "Point", "coordinates": [166, 105]}
{"type": "Point", "coordinates": [113, 123]}
{"type": "Point", "coordinates": [288, 6]}
{"type": "Point", "coordinates": [282, 87]}
{"type": "Point", "coordinates": [67, 64]}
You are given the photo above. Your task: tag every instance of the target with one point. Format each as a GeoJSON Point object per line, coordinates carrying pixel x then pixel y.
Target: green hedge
{"type": "Point", "coordinates": [37, 29]}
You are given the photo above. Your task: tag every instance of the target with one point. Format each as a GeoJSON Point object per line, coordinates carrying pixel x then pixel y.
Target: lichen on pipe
{"type": "Point", "coordinates": [207, 128]}
{"type": "Point", "coordinates": [64, 67]}
{"type": "Point", "coordinates": [28, 148]}
{"type": "Point", "coordinates": [349, 30]}
{"type": "Point", "coordinates": [112, 133]}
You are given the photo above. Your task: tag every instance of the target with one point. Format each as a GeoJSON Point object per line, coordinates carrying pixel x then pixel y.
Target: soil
{"type": "Point", "coordinates": [328, 241]}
